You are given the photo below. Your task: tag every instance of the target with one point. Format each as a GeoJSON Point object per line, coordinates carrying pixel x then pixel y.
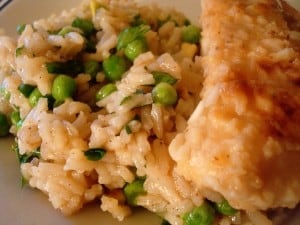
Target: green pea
{"type": "Point", "coordinates": [92, 67]}
{"type": "Point", "coordinates": [130, 34]}
{"type": "Point", "coordinates": [63, 87]}
{"type": "Point", "coordinates": [15, 117]}
{"type": "Point", "coordinates": [164, 93]}
{"type": "Point", "coordinates": [201, 215]}
{"type": "Point", "coordinates": [105, 91]}
{"type": "Point", "coordinates": [114, 67]}
{"type": "Point", "coordinates": [4, 125]}
{"type": "Point", "coordinates": [34, 97]}
{"type": "Point", "coordinates": [85, 25]}
{"type": "Point", "coordinates": [133, 190]}
{"type": "Point", "coordinates": [135, 48]}
{"type": "Point", "coordinates": [225, 208]}
{"type": "Point", "coordinates": [26, 89]}
{"type": "Point", "coordinates": [191, 34]}
{"type": "Point", "coordinates": [20, 28]}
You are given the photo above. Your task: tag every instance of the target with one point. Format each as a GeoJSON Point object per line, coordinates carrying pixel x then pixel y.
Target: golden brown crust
{"type": "Point", "coordinates": [243, 140]}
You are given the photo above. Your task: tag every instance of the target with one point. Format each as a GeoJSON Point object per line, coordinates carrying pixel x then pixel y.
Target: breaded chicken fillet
{"type": "Point", "coordinates": [243, 139]}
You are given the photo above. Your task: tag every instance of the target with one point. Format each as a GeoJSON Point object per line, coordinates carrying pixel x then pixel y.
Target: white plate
{"type": "Point", "coordinates": [24, 206]}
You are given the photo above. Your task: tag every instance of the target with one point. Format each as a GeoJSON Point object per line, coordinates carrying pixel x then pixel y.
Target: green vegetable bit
{"type": "Point", "coordinates": [71, 67]}
{"type": "Point", "coordinates": [135, 48]}
{"type": "Point", "coordinates": [114, 67]}
{"type": "Point", "coordinates": [92, 67]}
{"type": "Point", "coordinates": [19, 51]}
{"type": "Point", "coordinates": [20, 28]}
{"type": "Point", "coordinates": [165, 222]}
{"type": "Point", "coordinates": [15, 117]}
{"type": "Point", "coordinates": [34, 97]}
{"type": "Point", "coordinates": [165, 94]}
{"type": "Point", "coordinates": [130, 34]}
{"type": "Point", "coordinates": [95, 154]}
{"type": "Point", "coordinates": [4, 93]}
{"type": "Point", "coordinates": [191, 34]}
{"type": "Point", "coordinates": [105, 91]}
{"type": "Point", "coordinates": [201, 215]}
{"type": "Point", "coordinates": [85, 25]}
{"type": "Point", "coordinates": [133, 190]}
{"type": "Point", "coordinates": [26, 89]}
{"type": "Point", "coordinates": [63, 87]}
{"type": "Point", "coordinates": [4, 125]}
{"type": "Point", "coordinates": [163, 77]}
{"type": "Point", "coordinates": [225, 208]}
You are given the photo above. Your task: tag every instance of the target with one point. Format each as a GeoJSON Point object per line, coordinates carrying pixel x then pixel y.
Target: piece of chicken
{"type": "Point", "coordinates": [243, 140]}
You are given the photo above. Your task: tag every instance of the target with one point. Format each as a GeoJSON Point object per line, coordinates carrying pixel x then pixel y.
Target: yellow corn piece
{"type": "Point", "coordinates": [188, 50]}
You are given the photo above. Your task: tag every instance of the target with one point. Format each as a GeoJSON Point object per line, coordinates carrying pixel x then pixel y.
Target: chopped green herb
{"type": "Point", "coordinates": [19, 51]}
{"type": "Point", "coordinates": [163, 77]}
{"type": "Point", "coordinates": [128, 129]}
{"type": "Point", "coordinates": [27, 157]}
{"type": "Point", "coordinates": [95, 154]}
{"type": "Point", "coordinates": [26, 89]}
{"type": "Point", "coordinates": [4, 93]}
{"type": "Point", "coordinates": [134, 189]}
{"type": "Point", "coordinates": [71, 67]}
{"type": "Point", "coordinates": [20, 28]}
{"type": "Point", "coordinates": [138, 20]}
{"type": "Point", "coordinates": [4, 125]}
{"type": "Point", "coordinates": [15, 117]}
{"type": "Point", "coordinates": [126, 99]}
{"type": "Point", "coordinates": [90, 46]}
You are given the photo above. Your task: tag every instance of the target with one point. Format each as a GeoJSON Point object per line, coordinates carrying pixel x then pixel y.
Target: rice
{"type": "Point", "coordinates": [134, 131]}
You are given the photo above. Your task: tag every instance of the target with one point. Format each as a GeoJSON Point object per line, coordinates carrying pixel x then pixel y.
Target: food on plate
{"type": "Point", "coordinates": [242, 141]}
{"type": "Point", "coordinates": [96, 95]}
